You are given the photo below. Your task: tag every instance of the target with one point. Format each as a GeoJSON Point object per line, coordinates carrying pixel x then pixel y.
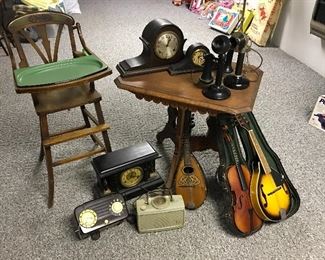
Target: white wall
{"type": "Point", "coordinates": [292, 35]}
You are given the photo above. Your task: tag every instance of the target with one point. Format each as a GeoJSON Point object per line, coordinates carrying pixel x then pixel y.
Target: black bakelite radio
{"type": "Point", "coordinates": [95, 215]}
{"type": "Point", "coordinates": [129, 171]}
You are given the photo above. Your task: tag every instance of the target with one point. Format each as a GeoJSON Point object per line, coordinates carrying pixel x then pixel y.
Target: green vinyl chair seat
{"type": "Point", "coordinates": [58, 72]}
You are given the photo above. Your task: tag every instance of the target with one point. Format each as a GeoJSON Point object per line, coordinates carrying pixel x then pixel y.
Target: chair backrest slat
{"type": "Point", "coordinates": [72, 40]}
{"type": "Point", "coordinates": [57, 42]}
{"type": "Point", "coordinates": [35, 46]}
{"type": "Point", "coordinates": [38, 23]}
{"type": "Point", "coordinates": [42, 34]}
{"type": "Point", "coordinates": [23, 60]}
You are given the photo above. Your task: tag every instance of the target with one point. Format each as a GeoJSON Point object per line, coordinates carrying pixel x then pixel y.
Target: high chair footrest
{"type": "Point", "coordinates": [64, 137]}
{"type": "Point", "coordinates": [79, 156]}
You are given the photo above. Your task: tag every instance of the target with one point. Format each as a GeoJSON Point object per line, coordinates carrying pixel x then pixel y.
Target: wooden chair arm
{"type": "Point", "coordinates": [81, 38]}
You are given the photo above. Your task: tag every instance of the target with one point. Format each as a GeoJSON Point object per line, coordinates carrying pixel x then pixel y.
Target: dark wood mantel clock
{"type": "Point", "coordinates": [163, 44]}
{"type": "Point", "coordinates": [129, 171]}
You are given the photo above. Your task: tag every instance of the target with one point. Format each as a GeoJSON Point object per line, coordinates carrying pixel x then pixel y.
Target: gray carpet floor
{"type": "Point", "coordinates": [287, 95]}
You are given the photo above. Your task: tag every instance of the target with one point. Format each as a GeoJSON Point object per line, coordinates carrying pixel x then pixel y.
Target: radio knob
{"type": "Point", "coordinates": [117, 207]}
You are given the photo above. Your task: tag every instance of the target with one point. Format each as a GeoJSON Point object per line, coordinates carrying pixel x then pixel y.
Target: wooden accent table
{"type": "Point", "coordinates": [180, 93]}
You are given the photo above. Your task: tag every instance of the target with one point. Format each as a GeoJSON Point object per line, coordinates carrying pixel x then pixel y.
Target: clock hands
{"type": "Point", "coordinates": [169, 50]}
{"type": "Point", "coordinates": [168, 41]}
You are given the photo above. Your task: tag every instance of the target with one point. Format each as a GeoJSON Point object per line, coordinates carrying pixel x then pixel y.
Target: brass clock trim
{"type": "Point", "coordinates": [193, 61]}
{"type": "Point", "coordinates": [198, 57]}
{"type": "Point", "coordinates": [131, 177]}
{"type": "Point", "coordinates": [87, 218]}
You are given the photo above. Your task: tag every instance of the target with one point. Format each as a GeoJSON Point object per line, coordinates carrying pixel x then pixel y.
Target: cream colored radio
{"type": "Point", "coordinates": [159, 213]}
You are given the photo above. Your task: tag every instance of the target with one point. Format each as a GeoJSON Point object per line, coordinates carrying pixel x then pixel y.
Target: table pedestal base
{"type": "Point", "coordinates": [198, 143]}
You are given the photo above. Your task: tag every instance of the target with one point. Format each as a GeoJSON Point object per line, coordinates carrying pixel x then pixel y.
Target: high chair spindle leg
{"type": "Point", "coordinates": [102, 121]}
{"type": "Point", "coordinates": [50, 176]}
{"type": "Point", "coordinates": [87, 122]}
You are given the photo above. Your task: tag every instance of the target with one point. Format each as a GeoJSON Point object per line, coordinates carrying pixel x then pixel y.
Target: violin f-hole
{"type": "Point", "coordinates": [241, 197]}
{"type": "Point", "coordinates": [234, 200]}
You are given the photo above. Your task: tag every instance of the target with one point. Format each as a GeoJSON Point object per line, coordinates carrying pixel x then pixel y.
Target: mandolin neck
{"type": "Point", "coordinates": [186, 140]}
{"type": "Point", "coordinates": [187, 152]}
{"type": "Point", "coordinates": [259, 151]}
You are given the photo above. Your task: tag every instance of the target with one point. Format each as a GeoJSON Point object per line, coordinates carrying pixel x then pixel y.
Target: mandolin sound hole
{"type": "Point", "coordinates": [188, 170]}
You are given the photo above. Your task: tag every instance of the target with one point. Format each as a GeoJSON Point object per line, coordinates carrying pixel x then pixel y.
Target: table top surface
{"type": "Point", "coordinates": [182, 91]}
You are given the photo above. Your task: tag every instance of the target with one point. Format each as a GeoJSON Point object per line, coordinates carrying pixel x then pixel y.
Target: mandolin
{"type": "Point", "coordinates": [190, 180]}
{"type": "Point", "coordinates": [269, 193]}
{"type": "Point", "coordinates": [238, 176]}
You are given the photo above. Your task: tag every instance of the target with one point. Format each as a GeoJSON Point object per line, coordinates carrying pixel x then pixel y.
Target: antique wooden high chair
{"type": "Point", "coordinates": [59, 85]}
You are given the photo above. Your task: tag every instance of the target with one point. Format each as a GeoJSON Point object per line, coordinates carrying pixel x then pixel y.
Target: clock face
{"type": "Point", "coordinates": [87, 218]}
{"type": "Point", "coordinates": [167, 45]}
{"type": "Point", "coordinates": [198, 57]}
{"type": "Point", "coordinates": [131, 177]}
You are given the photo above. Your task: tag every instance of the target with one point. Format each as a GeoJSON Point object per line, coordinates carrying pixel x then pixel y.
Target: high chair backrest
{"type": "Point", "coordinates": [39, 21]}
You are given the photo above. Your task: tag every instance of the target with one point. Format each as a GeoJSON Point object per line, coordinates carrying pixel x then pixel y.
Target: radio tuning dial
{"type": "Point", "coordinates": [87, 218]}
{"type": "Point", "coordinates": [117, 207]}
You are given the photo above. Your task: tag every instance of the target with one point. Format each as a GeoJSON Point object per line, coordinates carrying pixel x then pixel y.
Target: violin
{"type": "Point", "coordinates": [238, 176]}
{"type": "Point", "coordinates": [269, 192]}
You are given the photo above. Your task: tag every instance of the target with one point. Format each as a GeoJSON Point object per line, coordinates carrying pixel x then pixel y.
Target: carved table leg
{"type": "Point", "coordinates": [178, 149]}
{"type": "Point", "coordinates": [169, 130]}
{"type": "Point", "coordinates": [198, 143]}
{"type": "Point", "coordinates": [212, 132]}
